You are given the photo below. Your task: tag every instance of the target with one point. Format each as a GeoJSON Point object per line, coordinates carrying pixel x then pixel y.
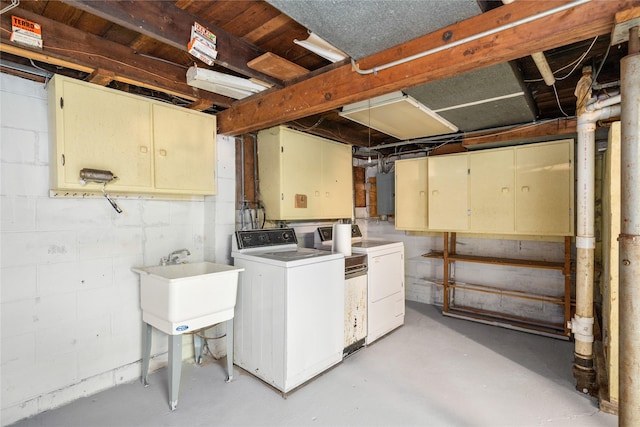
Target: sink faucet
{"type": "Point", "coordinates": [175, 257]}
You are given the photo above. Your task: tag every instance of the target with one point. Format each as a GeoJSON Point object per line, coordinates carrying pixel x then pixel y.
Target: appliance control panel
{"type": "Point", "coordinates": [266, 237]}
{"type": "Point", "coordinates": [326, 233]}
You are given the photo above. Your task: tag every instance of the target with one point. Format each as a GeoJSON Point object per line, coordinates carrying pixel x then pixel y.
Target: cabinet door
{"type": "Point", "coordinates": [491, 191]}
{"type": "Point", "coordinates": [301, 175]}
{"type": "Point", "coordinates": [544, 189]}
{"type": "Point", "coordinates": [448, 192]}
{"type": "Point", "coordinates": [184, 150]}
{"type": "Point", "coordinates": [100, 128]}
{"type": "Point", "coordinates": [411, 194]}
{"type": "Point", "coordinates": [337, 181]}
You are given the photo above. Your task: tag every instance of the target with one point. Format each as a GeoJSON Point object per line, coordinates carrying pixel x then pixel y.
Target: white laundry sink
{"type": "Point", "coordinates": [182, 298]}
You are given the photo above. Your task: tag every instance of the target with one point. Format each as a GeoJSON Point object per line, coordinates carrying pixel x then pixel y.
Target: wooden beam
{"type": "Point", "coordinates": [101, 77]}
{"type": "Point", "coordinates": [77, 50]}
{"type": "Point", "coordinates": [277, 66]}
{"type": "Point", "coordinates": [167, 23]}
{"type": "Point", "coordinates": [554, 127]}
{"type": "Point", "coordinates": [342, 85]}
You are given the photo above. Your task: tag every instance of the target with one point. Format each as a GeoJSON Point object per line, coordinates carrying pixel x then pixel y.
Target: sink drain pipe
{"type": "Point", "coordinates": [582, 323]}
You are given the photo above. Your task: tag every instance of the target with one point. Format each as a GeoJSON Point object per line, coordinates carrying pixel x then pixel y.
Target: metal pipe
{"type": "Point", "coordinates": [474, 37]}
{"type": "Point", "coordinates": [629, 239]}
{"type": "Point", "coordinates": [255, 168]}
{"type": "Point", "coordinates": [241, 182]}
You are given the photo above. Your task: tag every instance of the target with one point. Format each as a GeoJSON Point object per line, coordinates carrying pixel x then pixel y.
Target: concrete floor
{"type": "Point", "coordinates": [434, 371]}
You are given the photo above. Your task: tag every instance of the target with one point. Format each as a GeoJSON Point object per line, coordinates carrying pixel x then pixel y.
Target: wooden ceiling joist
{"type": "Point", "coordinates": [171, 25]}
{"type": "Point", "coordinates": [77, 50]}
{"type": "Point", "coordinates": [557, 127]}
{"type": "Point", "coordinates": [342, 85]}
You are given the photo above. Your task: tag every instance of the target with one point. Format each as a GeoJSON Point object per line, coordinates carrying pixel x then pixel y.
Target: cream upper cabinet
{"type": "Point", "coordinates": [184, 150]}
{"type": "Point", "coordinates": [448, 192]}
{"type": "Point", "coordinates": [544, 188]}
{"type": "Point", "coordinates": [304, 176]}
{"type": "Point", "coordinates": [491, 191]}
{"type": "Point", "coordinates": [411, 194]}
{"type": "Point", "coordinates": [301, 166]}
{"type": "Point", "coordinates": [337, 180]}
{"type": "Point", "coordinates": [98, 128]}
{"type": "Point", "coordinates": [152, 147]}
{"type": "Point", "coordinates": [525, 189]}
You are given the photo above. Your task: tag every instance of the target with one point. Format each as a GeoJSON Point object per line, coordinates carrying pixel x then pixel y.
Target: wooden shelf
{"type": "Point", "coordinates": [450, 308]}
{"type": "Point", "coordinates": [508, 261]}
{"type": "Point", "coordinates": [553, 330]}
{"type": "Point", "coordinates": [531, 296]}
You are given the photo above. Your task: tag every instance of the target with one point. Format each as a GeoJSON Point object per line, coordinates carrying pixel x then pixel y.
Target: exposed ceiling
{"type": "Point", "coordinates": [487, 83]}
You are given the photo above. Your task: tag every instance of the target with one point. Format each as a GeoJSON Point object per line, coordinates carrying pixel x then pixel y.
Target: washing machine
{"type": "Point", "coordinates": [385, 279]}
{"type": "Point", "coordinates": [289, 314]}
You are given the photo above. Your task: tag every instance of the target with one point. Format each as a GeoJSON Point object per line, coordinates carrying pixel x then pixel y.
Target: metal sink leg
{"type": "Point", "coordinates": [198, 347]}
{"type": "Point", "coordinates": [146, 351]}
{"type": "Point", "coordinates": [229, 350]}
{"type": "Point", "coordinates": [175, 367]}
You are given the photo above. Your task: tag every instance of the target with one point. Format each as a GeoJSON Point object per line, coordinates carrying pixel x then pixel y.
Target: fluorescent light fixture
{"type": "Point", "coordinates": [320, 47]}
{"type": "Point", "coordinates": [223, 84]}
{"type": "Point", "coordinates": [398, 115]}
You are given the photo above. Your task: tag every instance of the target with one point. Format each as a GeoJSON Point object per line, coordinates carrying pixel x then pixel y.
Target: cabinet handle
{"type": "Point", "coordinates": [317, 194]}
{"type": "Point", "coordinates": [434, 193]}
{"type": "Point", "coordinates": [326, 194]}
{"type": "Point", "coordinates": [525, 189]}
{"type": "Point", "coordinates": [143, 149]}
{"type": "Point", "coordinates": [505, 189]}
{"type": "Point", "coordinates": [422, 194]}
{"type": "Point", "coordinates": [163, 152]}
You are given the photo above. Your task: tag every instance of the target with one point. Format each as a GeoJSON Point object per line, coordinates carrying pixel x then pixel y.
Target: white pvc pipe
{"type": "Point", "coordinates": [582, 324]}
{"type": "Point", "coordinates": [601, 103]}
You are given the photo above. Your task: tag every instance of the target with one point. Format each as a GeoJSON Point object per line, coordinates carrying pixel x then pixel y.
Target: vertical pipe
{"type": "Point", "coordinates": [445, 278]}
{"type": "Point", "coordinates": [629, 291]}
{"type": "Point", "coordinates": [582, 323]}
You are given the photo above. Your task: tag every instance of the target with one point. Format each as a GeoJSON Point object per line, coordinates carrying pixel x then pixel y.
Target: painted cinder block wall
{"type": "Point", "coordinates": [70, 309]}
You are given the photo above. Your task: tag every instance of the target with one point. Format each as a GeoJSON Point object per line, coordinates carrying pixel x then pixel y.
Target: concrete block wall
{"type": "Point", "coordinates": [70, 309]}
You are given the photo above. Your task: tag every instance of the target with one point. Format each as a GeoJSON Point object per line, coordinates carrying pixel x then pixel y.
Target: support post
{"type": "Point", "coordinates": [445, 274]}
{"type": "Point", "coordinates": [629, 291]}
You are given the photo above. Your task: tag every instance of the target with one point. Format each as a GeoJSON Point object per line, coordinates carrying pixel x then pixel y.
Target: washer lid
{"type": "Point", "coordinates": [294, 257]}
{"type": "Point", "coordinates": [366, 245]}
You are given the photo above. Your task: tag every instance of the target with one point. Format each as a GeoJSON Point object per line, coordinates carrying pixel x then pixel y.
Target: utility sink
{"type": "Point", "coordinates": [180, 298]}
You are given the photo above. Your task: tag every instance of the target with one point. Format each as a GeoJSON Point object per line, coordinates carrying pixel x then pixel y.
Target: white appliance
{"type": "Point", "coordinates": [289, 311]}
{"type": "Point", "coordinates": [355, 303]}
{"type": "Point", "coordinates": [385, 278]}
